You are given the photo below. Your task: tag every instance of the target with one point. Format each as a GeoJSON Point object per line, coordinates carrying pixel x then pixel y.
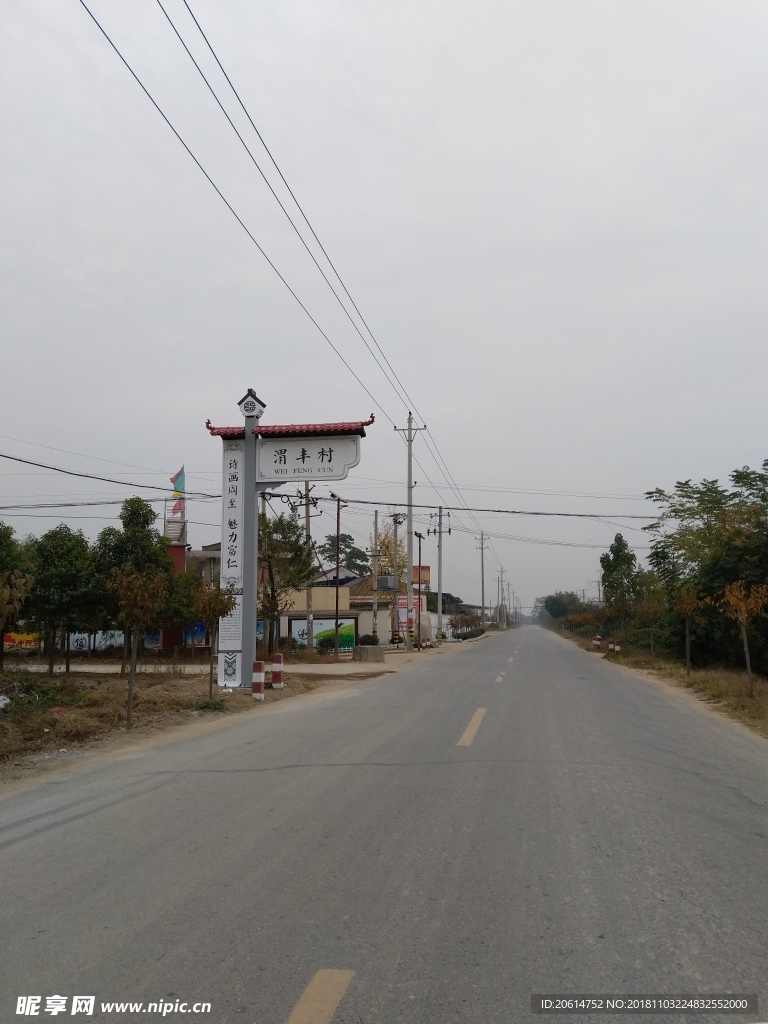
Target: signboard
{"type": "Point", "coordinates": [424, 576]}
{"type": "Point", "coordinates": [231, 628]}
{"type": "Point", "coordinates": [231, 574]}
{"type": "Point", "coordinates": [232, 519]}
{"type": "Point", "coordinates": [324, 628]}
{"type": "Point", "coordinates": [307, 458]}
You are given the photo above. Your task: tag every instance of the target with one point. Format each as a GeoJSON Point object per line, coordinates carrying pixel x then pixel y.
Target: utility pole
{"type": "Point", "coordinates": [440, 576]}
{"type": "Point", "coordinates": [420, 537]}
{"type": "Point", "coordinates": [409, 432]}
{"type": "Point", "coordinates": [482, 576]}
{"type": "Point", "coordinates": [397, 519]}
{"type": "Point", "coordinates": [376, 574]}
{"type": "Point", "coordinates": [338, 572]}
{"type": "Point", "coordinates": [308, 535]}
{"type": "Point", "coordinates": [439, 532]}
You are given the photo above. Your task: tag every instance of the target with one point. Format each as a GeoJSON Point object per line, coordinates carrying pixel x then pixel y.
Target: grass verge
{"type": "Point", "coordinates": [48, 713]}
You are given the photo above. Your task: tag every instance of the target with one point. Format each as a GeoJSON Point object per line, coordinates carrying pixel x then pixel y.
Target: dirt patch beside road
{"type": "Point", "coordinates": [52, 719]}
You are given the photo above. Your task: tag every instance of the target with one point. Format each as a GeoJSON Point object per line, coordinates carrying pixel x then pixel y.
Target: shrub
{"type": "Point", "coordinates": [368, 640]}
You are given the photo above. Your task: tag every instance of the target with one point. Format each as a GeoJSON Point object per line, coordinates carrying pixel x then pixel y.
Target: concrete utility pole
{"type": "Point", "coordinates": [375, 560]}
{"type": "Point", "coordinates": [409, 538]}
{"type": "Point", "coordinates": [482, 576]}
{"type": "Point", "coordinates": [397, 519]}
{"type": "Point", "coordinates": [409, 432]}
{"type": "Point", "coordinates": [420, 537]}
{"type": "Point", "coordinates": [338, 572]}
{"type": "Point", "coordinates": [250, 542]}
{"type": "Point", "coordinates": [308, 535]}
{"type": "Point", "coordinates": [439, 532]}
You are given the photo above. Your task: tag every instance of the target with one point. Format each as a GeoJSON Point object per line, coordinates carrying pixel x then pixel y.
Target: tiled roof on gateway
{"type": "Point", "coordinates": [296, 429]}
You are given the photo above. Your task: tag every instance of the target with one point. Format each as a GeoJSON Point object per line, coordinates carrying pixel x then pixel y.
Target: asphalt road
{"type": "Point", "coordinates": [590, 832]}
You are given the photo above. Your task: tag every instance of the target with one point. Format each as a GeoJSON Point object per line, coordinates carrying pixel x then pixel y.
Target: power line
{"type": "Point", "coordinates": [498, 511]}
{"type": "Point", "coordinates": [299, 207]}
{"type": "Point", "coordinates": [354, 501]}
{"type": "Point", "coordinates": [80, 455]}
{"type": "Point", "coordinates": [104, 479]}
{"type": "Point", "coordinates": [277, 198]}
{"type": "Point", "coordinates": [230, 207]}
{"type": "Point", "coordinates": [436, 454]}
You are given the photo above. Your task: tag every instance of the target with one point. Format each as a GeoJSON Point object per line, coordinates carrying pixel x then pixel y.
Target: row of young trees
{"type": "Point", "coordinates": [60, 583]}
{"type": "Point", "coordinates": [704, 591]}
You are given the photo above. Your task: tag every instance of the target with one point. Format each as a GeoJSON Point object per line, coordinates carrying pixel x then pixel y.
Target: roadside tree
{"type": "Point", "coordinates": [63, 590]}
{"type": "Point", "coordinates": [141, 598]}
{"type": "Point", "coordinates": [287, 562]}
{"type": "Point", "coordinates": [742, 605]}
{"type": "Point", "coordinates": [352, 557]}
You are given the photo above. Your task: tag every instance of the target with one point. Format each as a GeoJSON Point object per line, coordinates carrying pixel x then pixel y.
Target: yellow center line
{"type": "Point", "coordinates": [474, 724]}
{"type": "Point", "coordinates": [510, 660]}
{"type": "Point", "coordinates": [500, 677]}
{"type": "Point", "coordinates": [321, 997]}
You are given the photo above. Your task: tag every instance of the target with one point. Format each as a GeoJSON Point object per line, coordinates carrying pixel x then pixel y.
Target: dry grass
{"type": "Point", "coordinates": [49, 713]}
{"type": "Point", "coordinates": [724, 688]}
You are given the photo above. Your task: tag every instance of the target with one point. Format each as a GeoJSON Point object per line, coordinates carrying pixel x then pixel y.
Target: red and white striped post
{"type": "Point", "coordinates": [257, 684]}
{"type": "Point", "coordinates": [617, 646]}
{"type": "Point", "coordinates": [611, 645]}
{"type": "Point", "coordinates": [277, 672]}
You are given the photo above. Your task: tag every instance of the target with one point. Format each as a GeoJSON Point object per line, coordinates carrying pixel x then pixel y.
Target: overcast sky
{"type": "Point", "coordinates": [551, 214]}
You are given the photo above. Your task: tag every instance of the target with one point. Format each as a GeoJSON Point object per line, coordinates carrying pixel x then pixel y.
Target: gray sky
{"type": "Point", "coordinates": [551, 214]}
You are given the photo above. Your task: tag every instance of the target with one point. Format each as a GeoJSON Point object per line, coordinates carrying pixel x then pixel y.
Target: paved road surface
{"type": "Point", "coordinates": [589, 832]}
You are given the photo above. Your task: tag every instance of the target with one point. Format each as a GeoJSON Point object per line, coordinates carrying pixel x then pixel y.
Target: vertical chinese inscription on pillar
{"type": "Point", "coordinates": [230, 627]}
{"type": "Point", "coordinates": [232, 519]}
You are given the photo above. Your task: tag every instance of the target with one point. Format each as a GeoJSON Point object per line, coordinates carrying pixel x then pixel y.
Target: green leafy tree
{"type": "Point", "coordinates": [708, 537]}
{"type": "Point", "coordinates": [562, 603]}
{"type": "Point", "coordinates": [649, 601]}
{"type": "Point", "coordinates": [619, 578]}
{"type": "Point", "coordinates": [352, 557]}
{"type": "Point", "coordinates": [63, 590]}
{"type": "Point", "coordinates": [184, 590]}
{"type": "Point", "coordinates": [139, 544]}
{"type": "Point", "coordinates": [9, 549]}
{"type": "Point", "coordinates": [287, 562]}
{"type": "Point", "coordinates": [142, 599]}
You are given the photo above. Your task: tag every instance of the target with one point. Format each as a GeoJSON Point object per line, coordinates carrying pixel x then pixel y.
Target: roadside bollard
{"type": "Point", "coordinates": [597, 640]}
{"type": "Point", "coordinates": [617, 646]}
{"type": "Point", "coordinates": [611, 645]}
{"type": "Point", "coordinates": [277, 671]}
{"type": "Point", "coordinates": [257, 685]}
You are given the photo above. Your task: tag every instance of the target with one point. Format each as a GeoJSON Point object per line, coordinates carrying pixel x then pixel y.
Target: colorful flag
{"type": "Point", "coordinates": [178, 507]}
{"type": "Point", "coordinates": [178, 483]}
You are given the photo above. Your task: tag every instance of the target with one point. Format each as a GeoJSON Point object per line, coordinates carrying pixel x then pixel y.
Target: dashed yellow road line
{"type": "Point", "coordinates": [500, 677]}
{"type": "Point", "coordinates": [510, 660]}
{"type": "Point", "coordinates": [321, 997]}
{"type": "Point", "coordinates": [474, 724]}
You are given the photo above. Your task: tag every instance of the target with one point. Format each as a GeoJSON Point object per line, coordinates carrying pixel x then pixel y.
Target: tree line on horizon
{"type": "Point", "coordinates": [703, 594]}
